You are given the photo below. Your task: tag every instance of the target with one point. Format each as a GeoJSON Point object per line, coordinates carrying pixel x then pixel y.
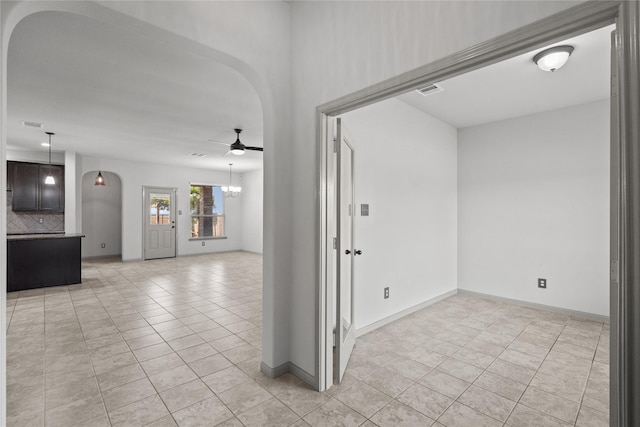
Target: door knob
{"type": "Point", "coordinates": [347, 252]}
{"type": "Point", "coordinates": [357, 252]}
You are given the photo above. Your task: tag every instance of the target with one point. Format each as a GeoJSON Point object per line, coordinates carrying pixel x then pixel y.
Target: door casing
{"type": "Point", "coordinates": [625, 282]}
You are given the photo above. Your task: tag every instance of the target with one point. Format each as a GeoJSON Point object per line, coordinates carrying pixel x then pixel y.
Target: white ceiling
{"type": "Point", "coordinates": [516, 87]}
{"type": "Point", "coordinates": [110, 93]}
{"type": "Point", "coordinates": [114, 94]}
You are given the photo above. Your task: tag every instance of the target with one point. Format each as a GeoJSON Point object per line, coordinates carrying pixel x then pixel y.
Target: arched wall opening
{"type": "Point", "coordinates": [275, 350]}
{"type": "Point", "coordinates": [101, 215]}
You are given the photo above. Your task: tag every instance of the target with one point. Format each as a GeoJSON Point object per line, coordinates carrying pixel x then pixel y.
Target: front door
{"type": "Point", "coordinates": [345, 212]}
{"type": "Point", "coordinates": [160, 224]}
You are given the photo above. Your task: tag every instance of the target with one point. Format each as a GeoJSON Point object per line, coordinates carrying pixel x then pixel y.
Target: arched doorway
{"type": "Point", "coordinates": [101, 215]}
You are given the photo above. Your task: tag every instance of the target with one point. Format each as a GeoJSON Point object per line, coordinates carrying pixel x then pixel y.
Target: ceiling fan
{"type": "Point", "coordinates": [238, 148]}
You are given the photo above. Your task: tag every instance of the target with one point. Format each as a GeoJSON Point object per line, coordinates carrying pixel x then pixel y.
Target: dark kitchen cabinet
{"type": "Point", "coordinates": [38, 261]}
{"type": "Point", "coordinates": [25, 186]}
{"type": "Point", "coordinates": [30, 193]}
{"type": "Point", "coordinates": [51, 197]}
{"type": "Point", "coordinates": [10, 168]}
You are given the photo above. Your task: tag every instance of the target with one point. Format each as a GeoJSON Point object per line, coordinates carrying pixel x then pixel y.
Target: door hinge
{"type": "Point", "coordinates": [615, 271]}
{"type": "Point", "coordinates": [335, 145]}
{"type": "Point", "coordinates": [334, 338]}
{"type": "Point", "coordinates": [335, 243]}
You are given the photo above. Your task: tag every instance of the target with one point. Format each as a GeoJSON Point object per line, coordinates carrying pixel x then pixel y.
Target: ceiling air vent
{"type": "Point", "coordinates": [197, 155]}
{"type": "Point", "coordinates": [430, 89]}
{"type": "Point", "coordinates": [32, 124]}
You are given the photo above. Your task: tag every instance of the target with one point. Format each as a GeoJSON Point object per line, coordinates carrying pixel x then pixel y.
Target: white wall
{"type": "Point", "coordinates": [135, 175]}
{"type": "Point", "coordinates": [101, 215]}
{"type": "Point", "coordinates": [534, 203]}
{"type": "Point", "coordinates": [338, 48]}
{"type": "Point", "coordinates": [72, 185]}
{"type": "Point", "coordinates": [409, 239]}
{"type": "Point", "coordinates": [252, 206]}
{"type": "Point", "coordinates": [326, 50]}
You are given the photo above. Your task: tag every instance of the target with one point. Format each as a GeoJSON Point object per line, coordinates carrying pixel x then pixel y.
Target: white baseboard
{"type": "Point", "coordinates": [405, 312]}
{"type": "Point", "coordinates": [560, 310]}
{"type": "Point", "coordinates": [289, 367]}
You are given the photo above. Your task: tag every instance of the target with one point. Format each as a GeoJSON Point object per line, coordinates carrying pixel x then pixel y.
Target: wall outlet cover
{"type": "Point", "coordinates": [542, 283]}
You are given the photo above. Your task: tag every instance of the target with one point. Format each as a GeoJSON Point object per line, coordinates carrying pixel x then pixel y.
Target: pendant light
{"type": "Point", "coordinates": [100, 179]}
{"type": "Point", "coordinates": [553, 58]}
{"type": "Point", "coordinates": [50, 180]}
{"type": "Point", "coordinates": [231, 191]}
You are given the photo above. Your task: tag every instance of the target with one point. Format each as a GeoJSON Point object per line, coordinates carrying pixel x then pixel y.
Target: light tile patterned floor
{"type": "Point", "coordinates": [177, 342]}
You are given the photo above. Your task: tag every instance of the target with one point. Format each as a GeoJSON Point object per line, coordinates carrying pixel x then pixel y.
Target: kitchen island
{"type": "Point", "coordinates": [42, 260]}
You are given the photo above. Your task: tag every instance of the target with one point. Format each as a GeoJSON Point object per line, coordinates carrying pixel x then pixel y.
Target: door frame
{"type": "Point", "coordinates": [146, 189]}
{"type": "Point", "coordinates": [625, 283]}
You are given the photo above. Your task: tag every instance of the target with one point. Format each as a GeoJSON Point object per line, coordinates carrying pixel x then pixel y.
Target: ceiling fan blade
{"type": "Point", "coordinates": [218, 142]}
{"type": "Point", "coordinates": [254, 148]}
{"type": "Point", "coordinates": [228, 153]}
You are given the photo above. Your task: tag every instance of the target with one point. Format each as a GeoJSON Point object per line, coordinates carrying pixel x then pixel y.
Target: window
{"type": "Point", "coordinates": [207, 211]}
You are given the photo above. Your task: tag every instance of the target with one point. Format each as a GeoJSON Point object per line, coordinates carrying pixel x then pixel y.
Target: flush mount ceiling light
{"type": "Point", "coordinates": [100, 179]}
{"type": "Point", "coordinates": [50, 180]}
{"type": "Point", "coordinates": [231, 191]}
{"type": "Point", "coordinates": [553, 58]}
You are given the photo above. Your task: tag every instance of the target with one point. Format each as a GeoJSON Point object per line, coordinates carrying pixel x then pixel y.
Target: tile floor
{"type": "Point", "coordinates": [177, 342]}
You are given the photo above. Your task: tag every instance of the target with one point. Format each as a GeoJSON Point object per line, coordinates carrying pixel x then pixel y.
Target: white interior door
{"type": "Point", "coordinates": [345, 211]}
{"type": "Point", "coordinates": [160, 224]}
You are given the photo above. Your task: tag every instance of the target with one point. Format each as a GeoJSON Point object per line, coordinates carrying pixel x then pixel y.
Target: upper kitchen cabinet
{"type": "Point", "coordinates": [51, 197]}
{"type": "Point", "coordinates": [30, 193]}
{"type": "Point", "coordinates": [25, 186]}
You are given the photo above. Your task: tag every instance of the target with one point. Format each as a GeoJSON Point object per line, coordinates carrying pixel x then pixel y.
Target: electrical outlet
{"type": "Point", "coordinates": [203, 243]}
{"type": "Point", "coordinates": [386, 292]}
{"type": "Point", "coordinates": [40, 220]}
{"type": "Point", "coordinates": [542, 283]}
{"type": "Point", "coordinates": [103, 245]}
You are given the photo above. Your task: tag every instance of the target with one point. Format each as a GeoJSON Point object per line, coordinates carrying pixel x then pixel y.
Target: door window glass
{"type": "Point", "coordinates": [160, 208]}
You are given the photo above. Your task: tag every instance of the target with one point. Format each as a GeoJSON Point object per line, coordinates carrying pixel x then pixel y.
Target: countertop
{"type": "Point", "coordinates": [44, 236]}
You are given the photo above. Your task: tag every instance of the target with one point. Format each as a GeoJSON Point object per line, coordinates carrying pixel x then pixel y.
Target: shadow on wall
{"type": "Point", "coordinates": [101, 215]}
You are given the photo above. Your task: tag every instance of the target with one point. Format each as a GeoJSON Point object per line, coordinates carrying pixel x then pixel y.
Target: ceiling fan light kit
{"type": "Point", "coordinates": [238, 148]}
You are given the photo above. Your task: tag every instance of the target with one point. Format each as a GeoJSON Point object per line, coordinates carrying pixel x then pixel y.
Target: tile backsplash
{"type": "Point", "coordinates": [32, 222]}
